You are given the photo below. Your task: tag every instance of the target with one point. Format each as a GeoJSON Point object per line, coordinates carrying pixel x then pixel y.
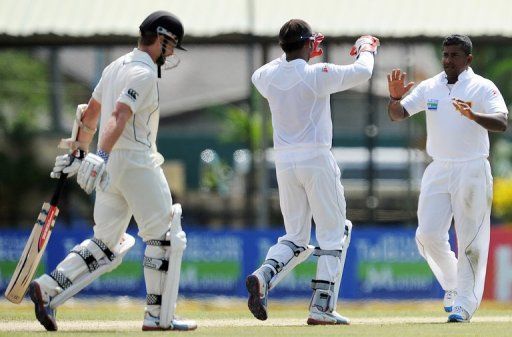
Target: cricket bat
{"type": "Point", "coordinates": [34, 249]}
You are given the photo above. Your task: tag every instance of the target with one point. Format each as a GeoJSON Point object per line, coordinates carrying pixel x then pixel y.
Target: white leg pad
{"type": "Point", "coordinates": [329, 273]}
{"type": "Point", "coordinates": [178, 240]}
{"type": "Point", "coordinates": [105, 265]}
{"type": "Point", "coordinates": [300, 254]}
{"type": "Point", "coordinates": [346, 242]}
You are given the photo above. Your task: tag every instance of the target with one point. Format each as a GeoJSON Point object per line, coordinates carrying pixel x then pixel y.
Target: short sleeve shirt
{"type": "Point", "coordinates": [132, 80]}
{"type": "Point", "coordinates": [451, 136]}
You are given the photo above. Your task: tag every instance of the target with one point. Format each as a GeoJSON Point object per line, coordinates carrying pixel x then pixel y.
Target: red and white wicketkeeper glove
{"type": "Point", "coordinates": [365, 43]}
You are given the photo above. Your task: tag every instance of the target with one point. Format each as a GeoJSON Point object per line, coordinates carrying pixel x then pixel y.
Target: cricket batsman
{"type": "Point", "coordinates": [128, 179]}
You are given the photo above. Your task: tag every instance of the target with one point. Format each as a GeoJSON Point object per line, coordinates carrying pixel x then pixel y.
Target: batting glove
{"type": "Point", "coordinates": [92, 174]}
{"type": "Point", "coordinates": [65, 164]}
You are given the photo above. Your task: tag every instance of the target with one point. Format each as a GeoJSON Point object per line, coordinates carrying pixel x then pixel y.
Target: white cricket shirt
{"type": "Point", "coordinates": [451, 136]}
{"type": "Point", "coordinates": [132, 80]}
{"type": "Point", "coordinates": [298, 95]}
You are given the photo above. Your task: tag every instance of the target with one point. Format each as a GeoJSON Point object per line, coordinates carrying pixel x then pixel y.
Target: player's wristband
{"type": "Point", "coordinates": [103, 155]}
{"type": "Point", "coordinates": [395, 99]}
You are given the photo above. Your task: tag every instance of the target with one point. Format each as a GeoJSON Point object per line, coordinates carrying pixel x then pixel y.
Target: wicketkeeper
{"type": "Point", "coordinates": [307, 173]}
{"type": "Point", "coordinates": [128, 179]}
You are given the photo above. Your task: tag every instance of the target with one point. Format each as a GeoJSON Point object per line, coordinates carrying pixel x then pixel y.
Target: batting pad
{"type": "Point", "coordinates": [126, 243]}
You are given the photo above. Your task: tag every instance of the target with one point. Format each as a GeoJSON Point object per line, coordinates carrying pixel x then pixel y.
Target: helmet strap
{"type": "Point", "coordinates": [160, 61]}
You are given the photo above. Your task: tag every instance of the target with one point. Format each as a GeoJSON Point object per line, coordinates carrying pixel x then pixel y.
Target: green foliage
{"type": "Point", "coordinates": [23, 89]}
{"type": "Point", "coordinates": [495, 62]}
{"type": "Point", "coordinates": [214, 174]}
{"type": "Point", "coordinates": [241, 126]}
{"type": "Point", "coordinates": [23, 95]}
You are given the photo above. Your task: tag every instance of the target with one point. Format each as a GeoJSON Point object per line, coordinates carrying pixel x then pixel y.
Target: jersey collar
{"type": "Point", "coordinates": [292, 62]}
{"type": "Point", "coordinates": [465, 75]}
{"type": "Point", "coordinates": [139, 56]}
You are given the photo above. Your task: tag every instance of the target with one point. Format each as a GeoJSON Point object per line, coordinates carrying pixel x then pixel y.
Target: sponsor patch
{"type": "Point", "coordinates": [432, 104]}
{"type": "Point", "coordinates": [133, 94]}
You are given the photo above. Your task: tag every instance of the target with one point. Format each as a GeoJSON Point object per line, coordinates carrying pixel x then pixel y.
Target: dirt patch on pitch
{"type": "Point", "coordinates": [226, 323]}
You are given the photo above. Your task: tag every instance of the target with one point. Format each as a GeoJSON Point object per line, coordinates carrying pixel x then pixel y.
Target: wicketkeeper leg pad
{"type": "Point", "coordinates": [330, 269]}
{"type": "Point", "coordinates": [85, 263]}
{"type": "Point", "coordinates": [279, 268]}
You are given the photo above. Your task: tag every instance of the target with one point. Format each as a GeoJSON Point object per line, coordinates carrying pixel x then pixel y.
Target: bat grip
{"type": "Point", "coordinates": [60, 185]}
{"type": "Point", "coordinates": [80, 154]}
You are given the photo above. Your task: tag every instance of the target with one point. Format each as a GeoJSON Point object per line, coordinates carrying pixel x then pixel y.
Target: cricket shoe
{"type": "Point", "coordinates": [449, 300]}
{"type": "Point", "coordinates": [317, 317]}
{"type": "Point", "coordinates": [459, 315]}
{"type": "Point", "coordinates": [152, 323]}
{"type": "Point", "coordinates": [258, 291]}
{"type": "Point", "coordinates": [44, 314]}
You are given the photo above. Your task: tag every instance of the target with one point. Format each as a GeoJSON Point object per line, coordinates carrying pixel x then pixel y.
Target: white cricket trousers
{"type": "Point", "coordinates": [462, 191]}
{"type": "Point", "coordinates": [138, 187]}
{"type": "Point", "coordinates": [312, 188]}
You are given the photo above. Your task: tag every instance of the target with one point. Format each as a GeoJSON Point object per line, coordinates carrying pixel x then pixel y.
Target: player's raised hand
{"type": "Point", "coordinates": [365, 43]}
{"type": "Point", "coordinates": [396, 84]}
{"type": "Point", "coordinates": [464, 108]}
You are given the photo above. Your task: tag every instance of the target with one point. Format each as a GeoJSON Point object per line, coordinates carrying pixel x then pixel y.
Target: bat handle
{"type": "Point", "coordinates": [60, 185]}
{"type": "Point", "coordinates": [80, 154]}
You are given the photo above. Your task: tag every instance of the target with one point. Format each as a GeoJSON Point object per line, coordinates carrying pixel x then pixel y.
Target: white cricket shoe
{"type": "Point", "coordinates": [152, 323]}
{"type": "Point", "coordinates": [449, 299]}
{"type": "Point", "coordinates": [258, 291]}
{"type": "Point", "coordinates": [44, 314]}
{"type": "Point", "coordinates": [459, 315]}
{"type": "Point", "coordinates": [317, 317]}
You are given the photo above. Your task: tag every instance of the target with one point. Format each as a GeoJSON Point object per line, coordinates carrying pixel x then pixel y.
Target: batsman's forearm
{"type": "Point", "coordinates": [90, 121]}
{"type": "Point", "coordinates": [112, 132]}
{"type": "Point", "coordinates": [396, 111]}
{"type": "Point", "coordinates": [114, 127]}
{"type": "Point", "coordinates": [496, 122]}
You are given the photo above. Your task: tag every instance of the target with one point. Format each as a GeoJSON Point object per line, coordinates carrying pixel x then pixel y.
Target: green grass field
{"type": "Point", "coordinates": [229, 317]}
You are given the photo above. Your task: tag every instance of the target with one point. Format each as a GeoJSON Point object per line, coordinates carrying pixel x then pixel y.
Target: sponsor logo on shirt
{"type": "Point", "coordinates": [432, 104]}
{"type": "Point", "coordinates": [133, 94]}
{"type": "Point", "coordinates": [325, 69]}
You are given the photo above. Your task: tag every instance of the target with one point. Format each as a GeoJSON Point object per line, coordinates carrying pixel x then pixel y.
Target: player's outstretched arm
{"type": "Point", "coordinates": [333, 78]}
{"type": "Point", "coordinates": [364, 50]}
{"type": "Point", "coordinates": [397, 89]}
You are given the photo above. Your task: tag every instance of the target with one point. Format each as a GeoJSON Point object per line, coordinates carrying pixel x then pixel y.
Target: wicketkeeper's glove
{"type": "Point", "coordinates": [365, 43]}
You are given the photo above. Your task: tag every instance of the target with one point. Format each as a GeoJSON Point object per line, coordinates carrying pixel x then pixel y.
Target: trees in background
{"type": "Point", "coordinates": [23, 103]}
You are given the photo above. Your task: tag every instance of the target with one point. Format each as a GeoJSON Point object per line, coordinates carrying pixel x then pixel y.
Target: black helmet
{"type": "Point", "coordinates": [164, 22]}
